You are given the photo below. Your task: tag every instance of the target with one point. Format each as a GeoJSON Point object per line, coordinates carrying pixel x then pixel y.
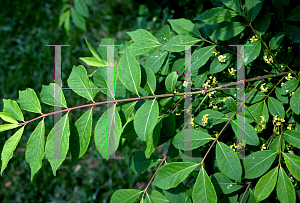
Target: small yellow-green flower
{"type": "Point", "coordinates": [263, 89]}
{"type": "Point", "coordinates": [231, 71]}
{"type": "Point", "coordinates": [222, 58]}
{"type": "Point", "coordinates": [253, 38]}
{"type": "Point", "coordinates": [288, 77]}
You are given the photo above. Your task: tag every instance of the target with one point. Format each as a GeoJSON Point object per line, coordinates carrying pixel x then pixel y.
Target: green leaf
{"type": "Point", "coordinates": [150, 80]}
{"type": "Point", "coordinates": [204, 190]}
{"type": "Point", "coordinates": [183, 26]}
{"type": "Point", "coordinates": [201, 56]}
{"type": "Point", "coordinates": [295, 102]}
{"type": "Point", "coordinates": [5, 127]}
{"type": "Point", "coordinates": [223, 184]}
{"type": "Point", "coordinates": [141, 35]}
{"type": "Point", "coordinates": [153, 139]}
{"type": "Point", "coordinates": [216, 66]}
{"type": "Point", "coordinates": [216, 15]}
{"type": "Point", "coordinates": [275, 145]}
{"type": "Point", "coordinates": [256, 96]}
{"type": "Point", "coordinates": [105, 129]}
{"type": "Point", "coordinates": [145, 119]}
{"type": "Point", "coordinates": [129, 72]}
{"type": "Point", "coordinates": [266, 185]}
{"type": "Point", "coordinates": [92, 50]}
{"type": "Point", "coordinates": [293, 137]}
{"type": "Point", "coordinates": [48, 97]}
{"type": "Point", "coordinates": [125, 195]}
{"type": "Point", "coordinates": [78, 79]}
{"type": "Point", "coordinates": [157, 197]}
{"type": "Point", "coordinates": [197, 139]}
{"type": "Point", "coordinates": [171, 174]}
{"type": "Point", "coordinates": [57, 143]}
{"type": "Point", "coordinates": [228, 30]}
{"type": "Point", "coordinates": [125, 109]}
{"type": "Point", "coordinates": [35, 148]}
{"type": "Point", "coordinates": [253, 7]}
{"type": "Point", "coordinates": [179, 66]}
{"type": "Point", "coordinates": [293, 164]}
{"type": "Point", "coordinates": [12, 108]}
{"type": "Point", "coordinates": [156, 60]}
{"type": "Point", "coordinates": [163, 35]}
{"type": "Point", "coordinates": [100, 79]}
{"type": "Point", "coordinates": [284, 188]}
{"type": "Point", "coordinates": [140, 48]}
{"type": "Point", "coordinates": [171, 80]}
{"type": "Point", "coordinates": [78, 20]}
{"type": "Point", "coordinates": [62, 18]}
{"type": "Point", "coordinates": [257, 163]}
{"type": "Point", "coordinates": [177, 194]}
{"type": "Point", "coordinates": [230, 104]}
{"type": "Point", "coordinates": [214, 117]}
{"type": "Point", "coordinates": [251, 137]}
{"type": "Point", "coordinates": [81, 135]}
{"type": "Point", "coordinates": [257, 110]}
{"type": "Point", "coordinates": [234, 5]}
{"type": "Point", "coordinates": [139, 163]}
{"type": "Point", "coordinates": [178, 42]}
{"type": "Point", "coordinates": [29, 101]}
{"type": "Point", "coordinates": [92, 61]}
{"type": "Point", "coordinates": [67, 22]}
{"type": "Point", "coordinates": [81, 8]}
{"type": "Point", "coordinates": [168, 124]}
{"type": "Point", "coordinates": [9, 148]}
{"type": "Point", "coordinates": [294, 15]}
{"type": "Point", "coordinates": [289, 86]}
{"type": "Point", "coordinates": [292, 32]}
{"type": "Point", "coordinates": [200, 79]}
{"type": "Point", "coordinates": [228, 162]}
{"type": "Point", "coordinates": [275, 107]}
{"type": "Point", "coordinates": [6, 117]}
{"type": "Point", "coordinates": [252, 52]}
{"type": "Point", "coordinates": [276, 40]}
{"type": "Point", "coordinates": [102, 50]}
{"type": "Point", "coordinates": [283, 99]}
{"type": "Point", "coordinates": [262, 22]}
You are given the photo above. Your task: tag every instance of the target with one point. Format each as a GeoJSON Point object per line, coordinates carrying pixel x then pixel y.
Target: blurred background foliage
{"type": "Point", "coordinates": [26, 27]}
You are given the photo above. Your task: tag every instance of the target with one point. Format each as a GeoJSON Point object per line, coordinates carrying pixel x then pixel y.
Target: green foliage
{"type": "Point", "coordinates": [145, 110]}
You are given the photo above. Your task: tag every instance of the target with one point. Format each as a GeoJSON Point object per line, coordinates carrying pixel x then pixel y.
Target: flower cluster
{"type": "Point", "coordinates": [193, 123]}
{"type": "Point", "coordinates": [268, 59]}
{"type": "Point", "coordinates": [263, 89]}
{"type": "Point", "coordinates": [211, 93]}
{"type": "Point", "coordinates": [222, 58]}
{"type": "Point", "coordinates": [215, 53]}
{"type": "Point", "coordinates": [262, 124]}
{"type": "Point", "coordinates": [185, 83]}
{"type": "Point", "coordinates": [277, 122]}
{"type": "Point", "coordinates": [204, 119]}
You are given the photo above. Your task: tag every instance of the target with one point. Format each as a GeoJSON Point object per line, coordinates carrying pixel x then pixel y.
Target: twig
{"type": "Point", "coordinates": [245, 192]}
